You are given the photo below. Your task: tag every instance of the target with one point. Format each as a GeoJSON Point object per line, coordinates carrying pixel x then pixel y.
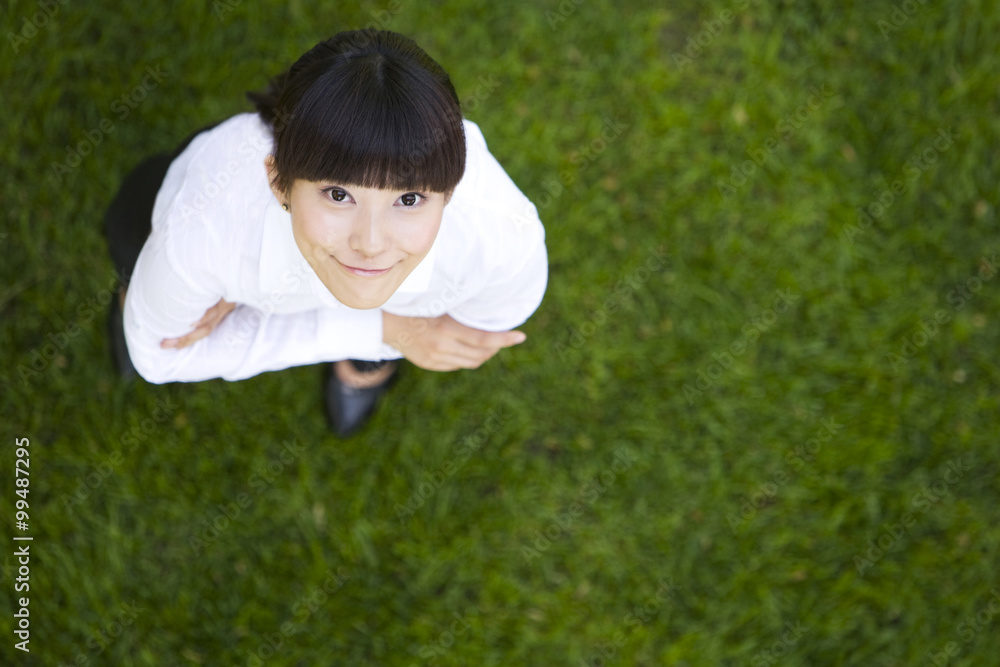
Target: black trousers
{"type": "Point", "coordinates": [129, 219]}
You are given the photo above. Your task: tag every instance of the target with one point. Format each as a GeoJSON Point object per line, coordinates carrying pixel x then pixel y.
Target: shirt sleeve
{"type": "Point", "coordinates": [172, 287]}
{"type": "Point", "coordinates": [516, 281]}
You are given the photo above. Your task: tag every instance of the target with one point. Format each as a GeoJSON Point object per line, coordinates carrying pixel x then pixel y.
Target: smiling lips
{"type": "Point", "coordinates": [366, 273]}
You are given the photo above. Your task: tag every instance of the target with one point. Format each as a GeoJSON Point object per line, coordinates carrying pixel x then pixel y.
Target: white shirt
{"type": "Point", "coordinates": [218, 232]}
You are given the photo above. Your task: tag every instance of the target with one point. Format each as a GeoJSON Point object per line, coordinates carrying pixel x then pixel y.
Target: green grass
{"type": "Point", "coordinates": [744, 525]}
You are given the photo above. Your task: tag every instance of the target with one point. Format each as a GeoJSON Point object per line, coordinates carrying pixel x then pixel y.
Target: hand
{"type": "Point", "coordinates": [442, 344]}
{"type": "Point", "coordinates": [202, 327]}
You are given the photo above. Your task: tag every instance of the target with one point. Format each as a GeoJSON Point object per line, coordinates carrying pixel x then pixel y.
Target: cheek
{"type": "Point", "coordinates": [418, 238]}
{"type": "Point", "coordinates": [317, 231]}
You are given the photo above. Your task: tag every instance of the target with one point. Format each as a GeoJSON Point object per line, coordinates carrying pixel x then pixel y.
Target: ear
{"type": "Point", "coordinates": [272, 180]}
{"type": "Point", "coordinates": [447, 196]}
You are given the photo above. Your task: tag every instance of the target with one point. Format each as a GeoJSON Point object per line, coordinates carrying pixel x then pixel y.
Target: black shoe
{"type": "Point", "coordinates": [349, 408]}
{"type": "Point", "coordinates": [116, 334]}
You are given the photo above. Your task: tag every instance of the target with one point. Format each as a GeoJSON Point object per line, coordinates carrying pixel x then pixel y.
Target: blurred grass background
{"type": "Point", "coordinates": [809, 499]}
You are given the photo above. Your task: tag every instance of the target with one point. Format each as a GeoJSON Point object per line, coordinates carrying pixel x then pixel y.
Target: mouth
{"type": "Point", "coordinates": [365, 273]}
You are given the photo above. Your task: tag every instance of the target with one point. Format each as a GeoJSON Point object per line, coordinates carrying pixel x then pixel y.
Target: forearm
{"type": "Point", "coordinates": [399, 331]}
{"type": "Point", "coordinates": [249, 342]}
{"type": "Point", "coordinates": [443, 344]}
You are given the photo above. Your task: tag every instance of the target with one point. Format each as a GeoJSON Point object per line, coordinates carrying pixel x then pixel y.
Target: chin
{"type": "Point", "coordinates": [359, 301]}
{"type": "Point", "coordinates": [368, 304]}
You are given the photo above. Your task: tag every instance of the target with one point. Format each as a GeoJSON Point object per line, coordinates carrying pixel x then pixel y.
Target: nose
{"type": "Point", "coordinates": [369, 234]}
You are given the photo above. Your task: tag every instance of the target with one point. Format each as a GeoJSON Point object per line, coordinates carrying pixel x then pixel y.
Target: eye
{"type": "Point", "coordinates": [336, 194]}
{"type": "Point", "coordinates": [411, 199]}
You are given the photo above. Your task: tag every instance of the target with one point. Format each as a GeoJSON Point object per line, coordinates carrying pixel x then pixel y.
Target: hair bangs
{"type": "Point", "coordinates": [378, 122]}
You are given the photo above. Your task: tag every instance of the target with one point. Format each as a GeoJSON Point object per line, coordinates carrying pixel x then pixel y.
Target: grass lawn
{"type": "Point", "coordinates": [755, 422]}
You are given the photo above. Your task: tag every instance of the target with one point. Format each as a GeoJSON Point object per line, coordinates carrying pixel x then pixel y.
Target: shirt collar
{"type": "Point", "coordinates": [284, 270]}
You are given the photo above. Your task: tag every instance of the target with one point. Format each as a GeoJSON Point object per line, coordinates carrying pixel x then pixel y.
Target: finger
{"type": "Point", "coordinates": [458, 355]}
{"type": "Point", "coordinates": [441, 365]}
{"type": "Point", "coordinates": [471, 348]}
{"type": "Point", "coordinates": [493, 339]}
{"type": "Point", "coordinates": [514, 338]}
{"type": "Point", "coordinates": [184, 341]}
{"type": "Point", "coordinates": [451, 357]}
{"type": "Point", "coordinates": [169, 343]}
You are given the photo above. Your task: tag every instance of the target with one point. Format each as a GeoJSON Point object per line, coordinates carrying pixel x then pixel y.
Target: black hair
{"type": "Point", "coordinates": [368, 108]}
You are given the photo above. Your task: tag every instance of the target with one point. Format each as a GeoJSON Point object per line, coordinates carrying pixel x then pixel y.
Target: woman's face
{"type": "Point", "coordinates": [362, 242]}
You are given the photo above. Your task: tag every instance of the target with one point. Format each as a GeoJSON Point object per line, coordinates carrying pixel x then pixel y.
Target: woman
{"type": "Point", "coordinates": [356, 218]}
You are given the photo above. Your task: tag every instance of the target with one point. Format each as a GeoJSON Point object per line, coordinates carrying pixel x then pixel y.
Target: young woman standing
{"type": "Point", "coordinates": [356, 219]}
